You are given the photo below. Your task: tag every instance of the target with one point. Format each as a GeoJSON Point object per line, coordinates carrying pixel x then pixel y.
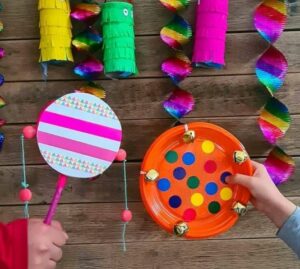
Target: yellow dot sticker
{"type": "Point", "coordinates": [226, 194]}
{"type": "Point", "coordinates": [197, 199]}
{"type": "Point", "coordinates": [208, 146]}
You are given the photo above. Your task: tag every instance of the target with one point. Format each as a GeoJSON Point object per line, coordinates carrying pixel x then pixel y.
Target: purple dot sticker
{"type": "Point", "coordinates": [179, 173]}
{"type": "Point", "coordinates": [188, 158]}
{"type": "Point", "coordinates": [175, 201]}
{"type": "Point", "coordinates": [163, 184]}
{"type": "Point", "coordinates": [224, 176]}
{"type": "Point", "coordinates": [211, 188]}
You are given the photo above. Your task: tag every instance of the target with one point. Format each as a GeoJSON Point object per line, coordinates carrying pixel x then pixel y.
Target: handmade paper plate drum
{"type": "Point", "coordinates": [79, 135]}
{"type": "Point", "coordinates": [183, 184]}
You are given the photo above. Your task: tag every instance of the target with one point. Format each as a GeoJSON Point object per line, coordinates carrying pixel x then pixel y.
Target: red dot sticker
{"type": "Point", "coordinates": [189, 214]}
{"type": "Point", "coordinates": [210, 167]}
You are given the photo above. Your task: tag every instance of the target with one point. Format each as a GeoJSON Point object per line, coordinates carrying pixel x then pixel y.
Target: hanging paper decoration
{"type": "Point", "coordinates": [118, 40]}
{"type": "Point", "coordinates": [271, 69]}
{"type": "Point", "coordinates": [2, 80]}
{"type": "Point", "coordinates": [210, 33]}
{"type": "Point", "coordinates": [176, 34]}
{"type": "Point", "coordinates": [88, 42]}
{"type": "Point", "coordinates": [55, 32]}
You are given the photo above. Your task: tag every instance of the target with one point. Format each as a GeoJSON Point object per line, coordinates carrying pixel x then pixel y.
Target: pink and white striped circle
{"type": "Point", "coordinates": [79, 135]}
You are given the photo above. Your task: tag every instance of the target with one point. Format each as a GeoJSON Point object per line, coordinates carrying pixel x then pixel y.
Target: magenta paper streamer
{"type": "Point", "coordinates": [210, 33]}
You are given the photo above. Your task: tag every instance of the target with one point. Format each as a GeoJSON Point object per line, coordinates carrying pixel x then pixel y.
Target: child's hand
{"type": "Point", "coordinates": [265, 195]}
{"type": "Point", "coordinates": [44, 244]}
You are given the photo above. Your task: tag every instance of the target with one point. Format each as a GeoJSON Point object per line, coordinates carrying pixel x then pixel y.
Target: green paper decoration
{"type": "Point", "coordinates": [118, 39]}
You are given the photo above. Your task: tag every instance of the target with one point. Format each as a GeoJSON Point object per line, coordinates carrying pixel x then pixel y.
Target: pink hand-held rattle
{"type": "Point", "coordinates": [79, 136]}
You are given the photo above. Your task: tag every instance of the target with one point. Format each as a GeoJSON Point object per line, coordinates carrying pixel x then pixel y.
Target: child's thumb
{"type": "Point", "coordinates": [240, 179]}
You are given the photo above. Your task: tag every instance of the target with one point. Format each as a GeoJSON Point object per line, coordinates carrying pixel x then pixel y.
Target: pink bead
{"type": "Point", "coordinates": [25, 195]}
{"type": "Point", "coordinates": [126, 215]}
{"type": "Point", "coordinates": [121, 156]}
{"type": "Point", "coordinates": [29, 132]}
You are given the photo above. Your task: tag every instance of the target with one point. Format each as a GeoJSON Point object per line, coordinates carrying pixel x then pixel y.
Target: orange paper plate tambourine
{"type": "Point", "coordinates": [183, 184]}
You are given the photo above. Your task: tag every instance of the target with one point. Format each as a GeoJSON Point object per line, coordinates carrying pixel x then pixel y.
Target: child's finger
{"type": "Point", "coordinates": [240, 179]}
{"type": "Point", "coordinates": [258, 167]}
{"type": "Point", "coordinates": [56, 253]}
{"type": "Point", "coordinates": [51, 264]}
{"type": "Point", "coordinates": [56, 225]}
{"type": "Point", "coordinates": [59, 238]}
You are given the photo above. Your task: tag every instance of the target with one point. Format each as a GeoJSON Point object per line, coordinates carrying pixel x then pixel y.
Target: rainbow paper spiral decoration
{"type": "Point", "coordinates": [118, 40]}
{"type": "Point", "coordinates": [55, 32]}
{"type": "Point", "coordinates": [88, 42]}
{"type": "Point", "coordinates": [271, 69]}
{"type": "Point", "coordinates": [2, 101]}
{"type": "Point", "coordinates": [210, 33]}
{"type": "Point", "coordinates": [175, 35]}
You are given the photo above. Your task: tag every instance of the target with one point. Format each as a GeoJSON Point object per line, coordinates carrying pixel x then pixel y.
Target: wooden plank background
{"type": "Point", "coordinates": [90, 211]}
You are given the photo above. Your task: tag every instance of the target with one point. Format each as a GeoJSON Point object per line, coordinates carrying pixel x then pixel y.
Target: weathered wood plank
{"type": "Point", "coordinates": [103, 220]}
{"type": "Point", "coordinates": [228, 254]}
{"type": "Point", "coordinates": [21, 18]}
{"type": "Point", "coordinates": [242, 51]}
{"type": "Point", "coordinates": [108, 187]}
{"type": "Point", "coordinates": [132, 99]}
{"type": "Point", "coordinates": [139, 134]}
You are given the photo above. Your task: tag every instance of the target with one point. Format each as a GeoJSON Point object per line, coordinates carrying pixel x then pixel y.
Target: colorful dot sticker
{"type": "Point", "coordinates": [226, 194]}
{"type": "Point", "coordinates": [163, 184]}
{"type": "Point", "coordinates": [224, 176]}
{"type": "Point", "coordinates": [208, 147]}
{"type": "Point", "coordinates": [193, 182]}
{"type": "Point", "coordinates": [188, 158]}
{"type": "Point", "coordinates": [211, 188]}
{"type": "Point", "coordinates": [175, 201]}
{"type": "Point", "coordinates": [171, 156]}
{"type": "Point", "coordinates": [189, 214]}
{"type": "Point", "coordinates": [179, 173]}
{"type": "Point", "coordinates": [210, 167]}
{"type": "Point", "coordinates": [197, 199]}
{"type": "Point", "coordinates": [214, 207]}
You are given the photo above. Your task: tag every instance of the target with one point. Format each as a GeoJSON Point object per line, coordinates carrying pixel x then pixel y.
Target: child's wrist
{"type": "Point", "coordinates": [279, 211]}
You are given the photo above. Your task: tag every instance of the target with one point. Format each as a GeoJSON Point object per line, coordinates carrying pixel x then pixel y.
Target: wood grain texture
{"type": "Point", "coordinates": [142, 99]}
{"type": "Point", "coordinates": [21, 21]}
{"type": "Point", "coordinates": [139, 134]}
{"type": "Point", "coordinates": [242, 51]}
{"type": "Point", "coordinates": [90, 211]}
{"type": "Point", "coordinates": [83, 221]}
{"type": "Point", "coordinates": [225, 254]}
{"type": "Point", "coordinates": [106, 188]}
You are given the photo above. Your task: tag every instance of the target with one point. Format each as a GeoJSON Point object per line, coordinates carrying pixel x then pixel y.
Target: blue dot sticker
{"type": "Point", "coordinates": [163, 184]}
{"type": "Point", "coordinates": [224, 175]}
{"type": "Point", "coordinates": [188, 158]}
{"type": "Point", "coordinates": [179, 173]}
{"type": "Point", "coordinates": [175, 201]}
{"type": "Point", "coordinates": [211, 188]}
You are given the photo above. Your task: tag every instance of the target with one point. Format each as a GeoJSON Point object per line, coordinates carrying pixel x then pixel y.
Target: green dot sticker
{"type": "Point", "coordinates": [214, 207]}
{"type": "Point", "coordinates": [193, 182]}
{"type": "Point", "coordinates": [171, 156]}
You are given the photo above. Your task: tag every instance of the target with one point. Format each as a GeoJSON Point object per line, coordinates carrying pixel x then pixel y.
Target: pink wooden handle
{"type": "Point", "coordinates": [61, 183]}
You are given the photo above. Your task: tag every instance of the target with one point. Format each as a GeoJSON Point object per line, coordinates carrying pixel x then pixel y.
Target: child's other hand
{"type": "Point", "coordinates": [265, 195]}
{"type": "Point", "coordinates": [44, 244]}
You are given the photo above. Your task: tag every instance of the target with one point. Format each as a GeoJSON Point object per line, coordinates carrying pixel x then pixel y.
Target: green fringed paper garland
{"type": "Point", "coordinates": [118, 39]}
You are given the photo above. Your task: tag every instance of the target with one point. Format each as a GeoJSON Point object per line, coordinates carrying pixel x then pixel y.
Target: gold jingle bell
{"type": "Point", "coordinates": [181, 228]}
{"type": "Point", "coordinates": [189, 136]}
{"type": "Point", "coordinates": [240, 156]}
{"type": "Point", "coordinates": [152, 175]}
{"type": "Point", "coordinates": [240, 209]}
